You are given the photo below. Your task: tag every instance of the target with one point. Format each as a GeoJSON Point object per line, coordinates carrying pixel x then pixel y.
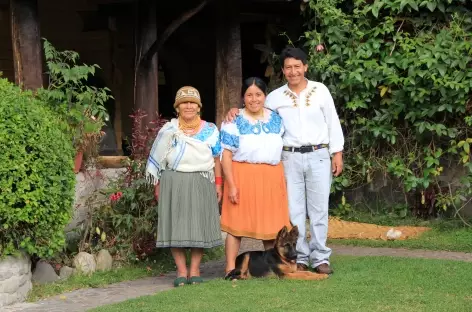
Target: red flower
{"type": "Point", "coordinates": [319, 48]}
{"type": "Point", "coordinates": [116, 196]}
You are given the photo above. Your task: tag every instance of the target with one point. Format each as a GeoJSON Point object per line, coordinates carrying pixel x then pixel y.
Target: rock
{"type": "Point", "coordinates": [65, 272]}
{"type": "Point", "coordinates": [15, 279]}
{"type": "Point", "coordinates": [393, 234]}
{"type": "Point", "coordinates": [44, 273]}
{"type": "Point", "coordinates": [104, 260]}
{"type": "Point", "coordinates": [84, 263]}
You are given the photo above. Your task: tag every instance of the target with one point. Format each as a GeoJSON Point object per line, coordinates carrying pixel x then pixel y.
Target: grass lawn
{"type": "Point", "coordinates": [125, 273]}
{"type": "Point", "coordinates": [450, 235]}
{"type": "Point", "coordinates": [359, 284]}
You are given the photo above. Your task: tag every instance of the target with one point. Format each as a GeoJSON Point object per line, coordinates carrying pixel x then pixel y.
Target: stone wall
{"type": "Point", "coordinates": [383, 191]}
{"type": "Point", "coordinates": [87, 184]}
{"type": "Point", "coordinates": [15, 279]}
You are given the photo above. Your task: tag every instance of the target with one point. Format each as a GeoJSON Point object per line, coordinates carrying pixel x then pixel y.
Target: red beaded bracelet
{"type": "Point", "coordinates": [218, 180]}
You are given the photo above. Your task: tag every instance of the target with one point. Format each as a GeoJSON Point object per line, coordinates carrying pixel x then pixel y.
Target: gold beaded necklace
{"type": "Point", "coordinates": [189, 127]}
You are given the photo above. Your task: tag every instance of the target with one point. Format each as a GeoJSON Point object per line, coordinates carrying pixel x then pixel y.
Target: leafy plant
{"type": "Point", "coordinates": [127, 221]}
{"type": "Point", "coordinates": [68, 93]}
{"type": "Point", "coordinates": [36, 178]}
{"type": "Point", "coordinates": [401, 74]}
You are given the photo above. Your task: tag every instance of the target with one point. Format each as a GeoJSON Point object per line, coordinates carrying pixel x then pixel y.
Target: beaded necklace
{"type": "Point", "coordinates": [190, 127]}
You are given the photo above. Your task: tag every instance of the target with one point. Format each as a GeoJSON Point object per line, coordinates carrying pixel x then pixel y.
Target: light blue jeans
{"type": "Point", "coordinates": [308, 179]}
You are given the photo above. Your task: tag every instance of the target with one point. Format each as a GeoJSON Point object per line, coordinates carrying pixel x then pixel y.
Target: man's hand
{"type": "Point", "coordinates": [233, 112]}
{"type": "Point", "coordinates": [156, 191]}
{"type": "Point", "coordinates": [337, 163]}
{"type": "Point", "coordinates": [219, 192]}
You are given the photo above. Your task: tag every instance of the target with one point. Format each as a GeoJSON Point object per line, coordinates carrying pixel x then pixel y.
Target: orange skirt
{"type": "Point", "coordinates": [263, 205]}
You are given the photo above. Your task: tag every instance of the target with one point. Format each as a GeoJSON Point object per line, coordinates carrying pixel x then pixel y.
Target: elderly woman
{"type": "Point", "coordinates": [185, 167]}
{"type": "Point", "coordinates": [255, 200]}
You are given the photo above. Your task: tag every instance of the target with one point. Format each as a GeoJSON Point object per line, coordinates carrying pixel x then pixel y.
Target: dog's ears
{"type": "Point", "coordinates": [294, 231]}
{"type": "Point", "coordinates": [283, 231]}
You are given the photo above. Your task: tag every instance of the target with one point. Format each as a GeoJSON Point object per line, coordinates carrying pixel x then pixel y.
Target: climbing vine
{"type": "Point", "coordinates": [401, 75]}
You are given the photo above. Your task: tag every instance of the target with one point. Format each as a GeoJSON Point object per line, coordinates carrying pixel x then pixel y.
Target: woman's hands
{"type": "Point", "coordinates": [233, 195]}
{"type": "Point", "coordinates": [219, 192]}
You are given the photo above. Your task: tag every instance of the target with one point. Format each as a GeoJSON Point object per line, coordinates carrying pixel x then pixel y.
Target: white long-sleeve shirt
{"type": "Point", "coordinates": [309, 118]}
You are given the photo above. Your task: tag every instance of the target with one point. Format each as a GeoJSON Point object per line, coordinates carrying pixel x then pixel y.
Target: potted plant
{"type": "Point", "coordinates": [82, 105]}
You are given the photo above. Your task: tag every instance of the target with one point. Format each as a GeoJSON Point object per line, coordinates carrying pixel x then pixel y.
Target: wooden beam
{"type": "Point", "coordinates": [148, 45]}
{"type": "Point", "coordinates": [26, 42]}
{"type": "Point", "coordinates": [155, 47]}
{"type": "Point", "coordinates": [146, 72]}
{"type": "Point", "coordinates": [228, 58]}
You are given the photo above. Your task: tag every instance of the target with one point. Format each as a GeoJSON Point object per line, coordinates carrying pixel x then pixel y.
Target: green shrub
{"type": "Point", "coordinates": [36, 174]}
{"type": "Point", "coordinates": [401, 75]}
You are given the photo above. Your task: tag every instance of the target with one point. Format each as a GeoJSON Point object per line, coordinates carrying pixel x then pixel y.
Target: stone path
{"type": "Point", "coordinates": [84, 299]}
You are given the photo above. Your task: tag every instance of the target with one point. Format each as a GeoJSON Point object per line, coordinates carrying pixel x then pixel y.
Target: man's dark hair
{"type": "Point", "coordinates": [295, 53]}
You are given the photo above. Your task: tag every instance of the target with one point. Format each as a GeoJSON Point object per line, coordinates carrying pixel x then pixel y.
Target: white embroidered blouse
{"type": "Point", "coordinates": [254, 141]}
{"type": "Point", "coordinates": [309, 118]}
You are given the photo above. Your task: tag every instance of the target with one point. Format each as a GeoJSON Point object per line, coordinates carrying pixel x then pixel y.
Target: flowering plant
{"type": "Point", "coordinates": [115, 197]}
{"type": "Point", "coordinates": [129, 216]}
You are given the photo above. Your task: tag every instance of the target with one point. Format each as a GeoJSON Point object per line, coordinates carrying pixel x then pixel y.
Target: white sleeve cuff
{"type": "Point", "coordinates": [335, 149]}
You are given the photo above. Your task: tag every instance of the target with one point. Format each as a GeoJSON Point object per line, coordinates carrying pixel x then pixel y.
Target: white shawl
{"type": "Point", "coordinates": [173, 150]}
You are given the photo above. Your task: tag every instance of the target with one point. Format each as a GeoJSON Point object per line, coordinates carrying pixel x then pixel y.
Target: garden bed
{"type": "Point", "coordinates": [340, 229]}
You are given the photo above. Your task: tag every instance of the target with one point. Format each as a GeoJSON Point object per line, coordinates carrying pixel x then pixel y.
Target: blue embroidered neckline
{"type": "Point", "coordinates": [272, 126]}
{"type": "Point", "coordinates": [205, 133]}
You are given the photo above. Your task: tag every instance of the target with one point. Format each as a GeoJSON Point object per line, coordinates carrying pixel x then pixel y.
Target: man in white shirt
{"type": "Point", "coordinates": [312, 153]}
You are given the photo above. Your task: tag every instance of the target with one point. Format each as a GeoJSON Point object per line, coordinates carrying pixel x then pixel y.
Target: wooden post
{"type": "Point", "coordinates": [26, 42]}
{"type": "Point", "coordinates": [116, 83]}
{"type": "Point", "coordinates": [228, 58]}
{"type": "Point", "coordinates": [146, 71]}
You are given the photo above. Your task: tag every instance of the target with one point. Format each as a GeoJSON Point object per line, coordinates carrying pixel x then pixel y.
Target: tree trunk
{"type": "Point", "coordinates": [26, 42]}
{"type": "Point", "coordinates": [146, 71]}
{"type": "Point", "coordinates": [228, 58]}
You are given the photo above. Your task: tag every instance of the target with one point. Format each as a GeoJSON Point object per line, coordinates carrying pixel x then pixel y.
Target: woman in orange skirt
{"type": "Point", "coordinates": [255, 198]}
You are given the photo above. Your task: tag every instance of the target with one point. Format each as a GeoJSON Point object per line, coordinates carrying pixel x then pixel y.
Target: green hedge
{"type": "Point", "coordinates": [36, 175]}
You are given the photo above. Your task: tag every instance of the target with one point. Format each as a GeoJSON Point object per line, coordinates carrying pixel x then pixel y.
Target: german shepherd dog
{"type": "Point", "coordinates": [280, 261]}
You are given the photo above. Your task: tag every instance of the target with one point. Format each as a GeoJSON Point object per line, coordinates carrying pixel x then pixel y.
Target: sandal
{"type": "Point", "coordinates": [180, 281]}
{"type": "Point", "coordinates": [194, 280]}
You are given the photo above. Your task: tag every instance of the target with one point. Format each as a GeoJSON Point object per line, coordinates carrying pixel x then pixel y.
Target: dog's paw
{"type": "Point", "coordinates": [233, 275]}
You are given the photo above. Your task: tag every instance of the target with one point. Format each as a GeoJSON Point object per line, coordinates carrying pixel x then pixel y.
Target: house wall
{"type": "Point", "coordinates": [62, 26]}
{"type": "Point", "coordinates": [187, 58]}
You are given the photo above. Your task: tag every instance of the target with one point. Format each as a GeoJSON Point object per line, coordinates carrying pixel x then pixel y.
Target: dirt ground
{"type": "Point", "coordinates": [344, 229]}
